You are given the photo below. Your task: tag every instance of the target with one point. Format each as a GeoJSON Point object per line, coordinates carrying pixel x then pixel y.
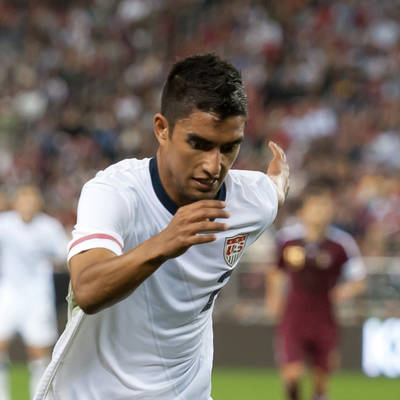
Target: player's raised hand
{"type": "Point", "coordinates": [278, 171]}
{"type": "Point", "coordinates": [193, 224]}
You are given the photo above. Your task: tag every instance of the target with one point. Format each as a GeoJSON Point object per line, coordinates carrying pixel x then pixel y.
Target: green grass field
{"type": "Point", "coordinates": [258, 384]}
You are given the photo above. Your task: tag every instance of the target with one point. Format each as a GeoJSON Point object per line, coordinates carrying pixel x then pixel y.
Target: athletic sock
{"type": "Point", "coordinates": [320, 397]}
{"type": "Point", "coordinates": [292, 390]}
{"type": "Point", "coordinates": [4, 377]}
{"type": "Point", "coordinates": [36, 369]}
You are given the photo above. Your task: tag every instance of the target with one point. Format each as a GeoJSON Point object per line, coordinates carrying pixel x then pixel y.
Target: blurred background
{"type": "Point", "coordinates": [80, 82]}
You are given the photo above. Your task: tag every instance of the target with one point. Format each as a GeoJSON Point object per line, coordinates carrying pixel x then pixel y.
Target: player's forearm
{"type": "Point", "coordinates": [273, 306]}
{"type": "Point", "coordinates": [100, 279]}
{"type": "Point", "coordinates": [274, 300]}
{"type": "Point", "coordinates": [348, 290]}
{"type": "Point", "coordinates": [104, 283]}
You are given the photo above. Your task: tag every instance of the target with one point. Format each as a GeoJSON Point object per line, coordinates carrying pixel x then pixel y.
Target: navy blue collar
{"type": "Point", "coordinates": [162, 194]}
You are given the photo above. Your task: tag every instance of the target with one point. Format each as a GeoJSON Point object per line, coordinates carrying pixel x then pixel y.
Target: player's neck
{"type": "Point", "coordinates": [167, 182]}
{"type": "Point", "coordinates": [27, 218]}
{"type": "Point", "coordinates": [314, 233]}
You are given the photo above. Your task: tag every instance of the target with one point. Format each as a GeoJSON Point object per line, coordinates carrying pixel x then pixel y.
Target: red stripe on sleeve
{"type": "Point", "coordinates": [95, 236]}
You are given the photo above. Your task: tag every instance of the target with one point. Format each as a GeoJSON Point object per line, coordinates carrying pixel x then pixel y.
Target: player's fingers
{"type": "Point", "coordinates": [205, 238]}
{"type": "Point", "coordinates": [209, 213]}
{"type": "Point", "coordinates": [210, 204]}
{"type": "Point", "coordinates": [273, 147]}
{"type": "Point", "coordinates": [277, 151]}
{"type": "Point", "coordinates": [283, 154]}
{"type": "Point", "coordinates": [207, 226]}
{"type": "Point", "coordinates": [285, 168]}
{"type": "Point", "coordinates": [205, 204]}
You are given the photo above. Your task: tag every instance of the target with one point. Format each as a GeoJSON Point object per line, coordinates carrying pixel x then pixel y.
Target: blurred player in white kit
{"type": "Point", "coordinates": [30, 243]}
{"type": "Point", "coordinates": [155, 241]}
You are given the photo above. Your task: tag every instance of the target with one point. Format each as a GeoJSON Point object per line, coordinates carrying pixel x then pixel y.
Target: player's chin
{"type": "Point", "coordinates": [198, 192]}
{"type": "Point", "coordinates": [208, 196]}
{"type": "Point", "coordinates": [198, 195]}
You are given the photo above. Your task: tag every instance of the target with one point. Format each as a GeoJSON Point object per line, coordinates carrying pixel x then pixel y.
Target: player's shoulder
{"type": "Point", "coordinates": [243, 182]}
{"type": "Point", "coordinates": [121, 175]}
{"type": "Point", "coordinates": [253, 191]}
{"type": "Point", "coordinates": [246, 177]}
{"type": "Point", "coordinates": [47, 220]}
{"type": "Point", "coordinates": [7, 215]}
{"type": "Point", "coordinates": [342, 238]}
{"type": "Point", "coordinates": [290, 233]}
{"type": "Point", "coordinates": [120, 184]}
{"type": "Point", "coordinates": [129, 168]}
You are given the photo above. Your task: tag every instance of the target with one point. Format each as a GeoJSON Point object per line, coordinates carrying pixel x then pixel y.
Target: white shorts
{"type": "Point", "coordinates": [33, 316]}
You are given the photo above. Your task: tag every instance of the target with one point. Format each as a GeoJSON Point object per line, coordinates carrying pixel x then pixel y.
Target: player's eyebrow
{"type": "Point", "coordinates": [199, 139]}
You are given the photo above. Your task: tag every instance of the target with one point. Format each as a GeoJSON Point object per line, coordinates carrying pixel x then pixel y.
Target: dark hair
{"type": "Point", "coordinates": [320, 185]}
{"type": "Point", "coordinates": [204, 82]}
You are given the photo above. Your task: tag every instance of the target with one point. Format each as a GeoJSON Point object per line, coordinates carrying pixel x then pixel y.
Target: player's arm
{"type": "Point", "coordinates": [100, 278]}
{"type": "Point", "coordinates": [348, 290]}
{"type": "Point", "coordinates": [354, 275]}
{"type": "Point", "coordinates": [278, 171]}
{"type": "Point", "coordinates": [275, 284]}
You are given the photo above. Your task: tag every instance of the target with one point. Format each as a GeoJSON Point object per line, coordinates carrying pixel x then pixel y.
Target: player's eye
{"type": "Point", "coordinates": [197, 144]}
{"type": "Point", "coordinates": [229, 148]}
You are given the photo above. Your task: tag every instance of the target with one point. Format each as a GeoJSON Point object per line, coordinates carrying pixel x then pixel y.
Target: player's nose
{"type": "Point", "coordinates": [212, 162]}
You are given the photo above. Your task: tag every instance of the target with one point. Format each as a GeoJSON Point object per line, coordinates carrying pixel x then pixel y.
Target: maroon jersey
{"type": "Point", "coordinates": [308, 328]}
{"type": "Point", "coordinates": [314, 269]}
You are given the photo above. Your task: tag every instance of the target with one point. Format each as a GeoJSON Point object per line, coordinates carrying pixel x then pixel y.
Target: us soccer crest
{"type": "Point", "coordinates": [234, 247]}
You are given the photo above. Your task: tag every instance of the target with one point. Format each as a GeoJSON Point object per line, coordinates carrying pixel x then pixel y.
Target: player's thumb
{"type": "Point", "coordinates": [274, 167]}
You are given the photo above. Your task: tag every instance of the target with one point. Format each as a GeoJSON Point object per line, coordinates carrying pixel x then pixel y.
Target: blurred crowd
{"type": "Point", "coordinates": [80, 81]}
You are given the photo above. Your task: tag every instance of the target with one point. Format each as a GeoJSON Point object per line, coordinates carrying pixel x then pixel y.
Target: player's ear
{"type": "Point", "coordinates": [161, 128]}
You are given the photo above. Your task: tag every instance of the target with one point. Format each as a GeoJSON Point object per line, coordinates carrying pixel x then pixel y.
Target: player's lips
{"type": "Point", "coordinates": [206, 184]}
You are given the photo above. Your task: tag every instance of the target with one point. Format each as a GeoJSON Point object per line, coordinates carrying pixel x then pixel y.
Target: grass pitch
{"type": "Point", "coordinates": [263, 384]}
{"type": "Point", "coordinates": [19, 382]}
{"type": "Point", "coordinates": [259, 384]}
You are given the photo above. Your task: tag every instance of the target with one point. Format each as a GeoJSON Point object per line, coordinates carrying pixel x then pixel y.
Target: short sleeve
{"type": "Point", "coordinates": [285, 237]}
{"type": "Point", "coordinates": [101, 219]}
{"type": "Point", "coordinates": [264, 189]}
{"type": "Point", "coordinates": [353, 269]}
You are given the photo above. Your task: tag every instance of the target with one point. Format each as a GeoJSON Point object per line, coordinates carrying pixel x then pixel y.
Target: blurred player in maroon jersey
{"type": "Point", "coordinates": [317, 266]}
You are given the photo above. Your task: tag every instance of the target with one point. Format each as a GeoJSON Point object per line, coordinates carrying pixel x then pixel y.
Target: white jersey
{"type": "Point", "coordinates": [28, 250]}
{"type": "Point", "coordinates": [158, 342]}
{"type": "Point", "coordinates": [27, 253]}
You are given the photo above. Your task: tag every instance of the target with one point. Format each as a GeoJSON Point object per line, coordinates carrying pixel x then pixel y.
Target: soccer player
{"type": "Point", "coordinates": [30, 242]}
{"type": "Point", "coordinates": [155, 241]}
{"type": "Point", "coordinates": [321, 266]}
